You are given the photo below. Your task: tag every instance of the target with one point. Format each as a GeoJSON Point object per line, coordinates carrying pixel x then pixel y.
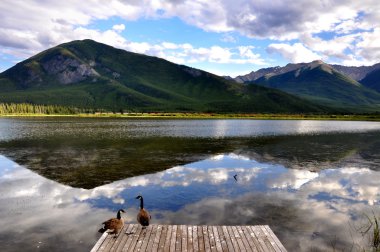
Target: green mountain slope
{"type": "Point", "coordinates": [94, 75]}
{"type": "Point", "coordinates": [372, 80]}
{"type": "Point", "coordinates": [320, 83]}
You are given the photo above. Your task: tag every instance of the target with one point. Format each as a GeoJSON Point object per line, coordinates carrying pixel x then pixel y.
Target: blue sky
{"type": "Point", "coordinates": [223, 37]}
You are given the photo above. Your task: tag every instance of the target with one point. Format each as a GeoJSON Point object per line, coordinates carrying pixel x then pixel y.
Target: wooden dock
{"type": "Point", "coordinates": [190, 239]}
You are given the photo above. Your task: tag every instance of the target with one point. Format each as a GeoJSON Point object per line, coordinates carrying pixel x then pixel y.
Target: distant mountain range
{"type": "Point", "coordinates": [354, 89]}
{"type": "Point", "coordinates": [356, 73]}
{"type": "Point", "coordinates": [88, 74]}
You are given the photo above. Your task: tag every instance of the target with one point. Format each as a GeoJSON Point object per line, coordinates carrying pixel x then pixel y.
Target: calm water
{"type": "Point", "coordinates": [311, 181]}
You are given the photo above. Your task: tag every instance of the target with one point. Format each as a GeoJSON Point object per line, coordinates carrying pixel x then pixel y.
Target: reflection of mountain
{"type": "Point", "coordinates": [87, 162]}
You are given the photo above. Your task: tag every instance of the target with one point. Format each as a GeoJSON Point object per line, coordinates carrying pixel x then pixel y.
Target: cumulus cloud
{"type": "Point", "coordinates": [354, 23]}
{"type": "Point", "coordinates": [119, 27]}
{"type": "Point", "coordinates": [330, 48]}
{"type": "Point", "coordinates": [180, 53]}
{"type": "Point", "coordinates": [228, 38]}
{"type": "Point", "coordinates": [294, 53]}
{"type": "Point", "coordinates": [369, 45]}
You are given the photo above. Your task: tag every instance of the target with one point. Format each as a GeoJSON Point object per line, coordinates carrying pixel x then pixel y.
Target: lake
{"type": "Point", "coordinates": [313, 182]}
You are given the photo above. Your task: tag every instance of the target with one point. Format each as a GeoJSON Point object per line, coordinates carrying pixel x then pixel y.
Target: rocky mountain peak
{"type": "Point", "coordinates": [68, 70]}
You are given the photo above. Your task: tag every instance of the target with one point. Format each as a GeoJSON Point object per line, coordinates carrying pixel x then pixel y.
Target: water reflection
{"type": "Point", "coordinates": [309, 210]}
{"type": "Point", "coordinates": [119, 128]}
{"type": "Point", "coordinates": [89, 162]}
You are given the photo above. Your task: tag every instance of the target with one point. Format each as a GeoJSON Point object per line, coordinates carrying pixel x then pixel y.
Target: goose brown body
{"type": "Point", "coordinates": [114, 224]}
{"type": "Point", "coordinates": [143, 216]}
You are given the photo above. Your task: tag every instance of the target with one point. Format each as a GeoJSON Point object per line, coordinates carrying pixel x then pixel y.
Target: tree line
{"type": "Point", "coordinates": [27, 108]}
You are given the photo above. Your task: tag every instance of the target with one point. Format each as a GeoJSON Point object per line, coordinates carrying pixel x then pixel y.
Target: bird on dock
{"type": "Point", "coordinates": [143, 217]}
{"type": "Point", "coordinates": [114, 225]}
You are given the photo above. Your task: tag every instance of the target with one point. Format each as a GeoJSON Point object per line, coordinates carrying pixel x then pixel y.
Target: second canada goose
{"type": "Point", "coordinates": [114, 224]}
{"type": "Point", "coordinates": [143, 217]}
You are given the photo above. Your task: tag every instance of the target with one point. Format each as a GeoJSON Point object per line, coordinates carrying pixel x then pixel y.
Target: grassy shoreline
{"type": "Point", "coordinates": [369, 117]}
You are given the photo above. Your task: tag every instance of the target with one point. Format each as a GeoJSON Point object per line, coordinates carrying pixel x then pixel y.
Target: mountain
{"type": "Point", "coordinates": [356, 73]}
{"type": "Point", "coordinates": [372, 80]}
{"type": "Point", "coordinates": [267, 71]}
{"type": "Point", "coordinates": [321, 83]}
{"type": "Point", "coordinates": [89, 74]}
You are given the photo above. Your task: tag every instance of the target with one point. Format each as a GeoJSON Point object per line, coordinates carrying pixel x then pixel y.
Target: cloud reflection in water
{"type": "Point", "coordinates": [306, 209]}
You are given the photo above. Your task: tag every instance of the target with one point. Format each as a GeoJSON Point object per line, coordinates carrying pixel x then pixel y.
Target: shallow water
{"type": "Point", "coordinates": [311, 181]}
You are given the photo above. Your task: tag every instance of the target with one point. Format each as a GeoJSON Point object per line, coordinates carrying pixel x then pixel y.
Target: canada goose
{"type": "Point", "coordinates": [143, 217]}
{"type": "Point", "coordinates": [114, 224]}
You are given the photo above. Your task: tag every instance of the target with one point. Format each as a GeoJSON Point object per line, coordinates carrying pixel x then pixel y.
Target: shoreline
{"type": "Point", "coordinates": [359, 117]}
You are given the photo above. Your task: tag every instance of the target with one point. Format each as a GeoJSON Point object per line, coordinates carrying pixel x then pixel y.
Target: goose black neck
{"type": "Point", "coordinates": [118, 215]}
{"type": "Point", "coordinates": [141, 202]}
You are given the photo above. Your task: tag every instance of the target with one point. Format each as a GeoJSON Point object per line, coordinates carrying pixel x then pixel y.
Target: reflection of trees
{"type": "Point", "coordinates": [84, 161]}
{"type": "Point", "coordinates": [316, 152]}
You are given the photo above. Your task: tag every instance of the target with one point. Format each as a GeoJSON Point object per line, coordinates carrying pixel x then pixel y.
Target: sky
{"type": "Point", "coordinates": [224, 37]}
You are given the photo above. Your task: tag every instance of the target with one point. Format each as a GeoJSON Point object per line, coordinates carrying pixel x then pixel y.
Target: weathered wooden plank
{"type": "Point", "coordinates": [173, 238]}
{"type": "Point", "coordinates": [165, 243]}
{"type": "Point", "coordinates": [136, 237]}
{"type": "Point", "coordinates": [222, 239]}
{"type": "Point", "coordinates": [218, 245]}
{"type": "Point", "coordinates": [195, 239]}
{"type": "Point", "coordinates": [206, 239]}
{"type": "Point", "coordinates": [130, 233]}
{"type": "Point", "coordinates": [185, 238]}
{"type": "Point", "coordinates": [252, 240]}
{"type": "Point", "coordinates": [110, 243]}
{"type": "Point", "coordinates": [229, 241]}
{"type": "Point", "coordinates": [271, 245]}
{"type": "Point", "coordinates": [118, 240]}
{"type": "Point", "coordinates": [211, 237]}
{"type": "Point", "coordinates": [124, 237]}
{"type": "Point", "coordinates": [156, 239]}
{"type": "Point", "coordinates": [244, 238]}
{"type": "Point", "coordinates": [201, 242]}
{"type": "Point", "coordinates": [268, 240]}
{"type": "Point", "coordinates": [148, 238]}
{"type": "Point", "coordinates": [178, 242]}
{"type": "Point", "coordinates": [140, 239]}
{"type": "Point", "coordinates": [161, 243]}
{"type": "Point", "coordinates": [275, 239]}
{"type": "Point", "coordinates": [115, 240]}
{"type": "Point", "coordinates": [260, 237]}
{"type": "Point", "coordinates": [238, 239]}
{"type": "Point", "coordinates": [190, 247]}
{"type": "Point", "coordinates": [99, 243]}
{"type": "Point", "coordinates": [232, 238]}
{"type": "Point", "coordinates": [106, 242]}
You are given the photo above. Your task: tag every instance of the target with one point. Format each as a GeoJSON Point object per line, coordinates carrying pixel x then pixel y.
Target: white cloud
{"type": "Point", "coordinates": [168, 45]}
{"type": "Point", "coordinates": [228, 38]}
{"type": "Point", "coordinates": [186, 53]}
{"type": "Point", "coordinates": [294, 179]}
{"type": "Point", "coordinates": [29, 27]}
{"type": "Point", "coordinates": [295, 53]}
{"type": "Point", "coordinates": [330, 48]}
{"type": "Point", "coordinates": [119, 27]}
{"type": "Point", "coordinates": [369, 46]}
